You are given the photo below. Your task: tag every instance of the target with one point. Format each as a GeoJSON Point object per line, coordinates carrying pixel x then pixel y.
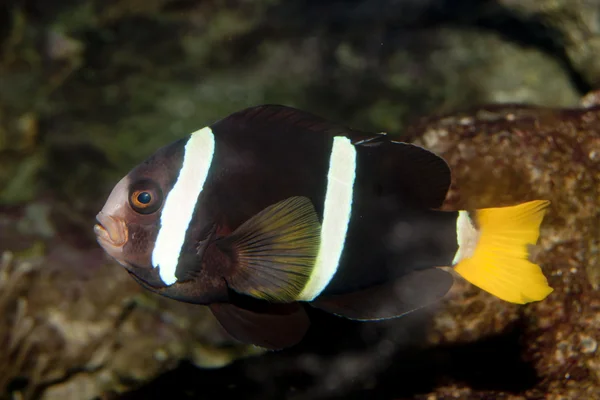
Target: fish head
{"type": "Point", "coordinates": [129, 222]}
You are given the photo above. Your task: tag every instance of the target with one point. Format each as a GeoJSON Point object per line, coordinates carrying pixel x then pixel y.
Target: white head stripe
{"type": "Point", "coordinates": [336, 216]}
{"type": "Point", "coordinates": [181, 201]}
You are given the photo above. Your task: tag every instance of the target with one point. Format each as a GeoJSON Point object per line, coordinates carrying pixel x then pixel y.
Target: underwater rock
{"type": "Point", "coordinates": [493, 70]}
{"type": "Point", "coordinates": [502, 155]}
{"type": "Point", "coordinates": [572, 24]}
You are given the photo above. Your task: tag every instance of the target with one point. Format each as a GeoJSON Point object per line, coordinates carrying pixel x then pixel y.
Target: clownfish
{"type": "Point", "coordinates": [271, 209]}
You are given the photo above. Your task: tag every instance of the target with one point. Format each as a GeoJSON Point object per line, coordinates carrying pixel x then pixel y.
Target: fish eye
{"type": "Point", "coordinates": [145, 197]}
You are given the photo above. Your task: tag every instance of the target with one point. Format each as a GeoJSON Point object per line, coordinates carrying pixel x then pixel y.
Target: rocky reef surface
{"type": "Point", "coordinates": [88, 88]}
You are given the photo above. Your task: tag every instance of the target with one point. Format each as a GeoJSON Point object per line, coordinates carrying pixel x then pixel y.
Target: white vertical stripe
{"type": "Point", "coordinates": [336, 216]}
{"type": "Point", "coordinates": [466, 237]}
{"type": "Point", "coordinates": [181, 201]}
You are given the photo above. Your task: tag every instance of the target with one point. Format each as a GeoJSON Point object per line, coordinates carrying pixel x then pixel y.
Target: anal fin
{"type": "Point", "coordinates": [275, 326]}
{"type": "Point", "coordinates": [389, 300]}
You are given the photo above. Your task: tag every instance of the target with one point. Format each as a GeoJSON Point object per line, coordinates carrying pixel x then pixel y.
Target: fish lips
{"type": "Point", "coordinates": [111, 234]}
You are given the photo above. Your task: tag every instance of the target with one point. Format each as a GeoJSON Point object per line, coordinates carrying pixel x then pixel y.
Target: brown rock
{"type": "Point", "coordinates": [574, 25]}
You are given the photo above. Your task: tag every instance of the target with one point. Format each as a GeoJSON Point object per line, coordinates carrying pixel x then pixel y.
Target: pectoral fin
{"type": "Point", "coordinates": [274, 327]}
{"type": "Point", "coordinates": [390, 300]}
{"type": "Point", "coordinates": [275, 251]}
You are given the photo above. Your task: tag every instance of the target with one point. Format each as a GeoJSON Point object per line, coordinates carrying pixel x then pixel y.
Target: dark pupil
{"type": "Point", "coordinates": [144, 198]}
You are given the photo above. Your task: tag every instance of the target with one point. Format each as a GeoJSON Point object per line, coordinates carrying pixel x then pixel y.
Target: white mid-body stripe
{"type": "Point", "coordinates": [336, 216]}
{"type": "Point", "coordinates": [181, 201]}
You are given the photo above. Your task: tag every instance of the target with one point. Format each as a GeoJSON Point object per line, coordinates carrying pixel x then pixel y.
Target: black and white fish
{"type": "Point", "coordinates": [271, 208]}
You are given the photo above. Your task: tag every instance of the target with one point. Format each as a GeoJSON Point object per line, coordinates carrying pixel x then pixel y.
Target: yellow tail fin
{"type": "Point", "coordinates": [498, 263]}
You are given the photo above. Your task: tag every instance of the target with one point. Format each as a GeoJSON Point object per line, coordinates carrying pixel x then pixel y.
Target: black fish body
{"type": "Point", "coordinates": [271, 207]}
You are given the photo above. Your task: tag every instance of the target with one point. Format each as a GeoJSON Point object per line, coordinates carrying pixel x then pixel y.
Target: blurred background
{"type": "Point", "coordinates": [90, 88]}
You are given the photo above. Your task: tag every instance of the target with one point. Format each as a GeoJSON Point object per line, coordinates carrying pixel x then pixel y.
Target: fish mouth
{"type": "Point", "coordinates": [111, 232]}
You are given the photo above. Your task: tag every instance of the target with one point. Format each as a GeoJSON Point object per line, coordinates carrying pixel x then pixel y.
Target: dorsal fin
{"type": "Point", "coordinates": [287, 118]}
{"type": "Point", "coordinates": [410, 171]}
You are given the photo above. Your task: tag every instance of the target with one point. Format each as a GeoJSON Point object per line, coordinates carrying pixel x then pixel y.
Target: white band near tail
{"type": "Point", "coordinates": [180, 203]}
{"type": "Point", "coordinates": [336, 216]}
{"type": "Point", "coordinates": [466, 237]}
